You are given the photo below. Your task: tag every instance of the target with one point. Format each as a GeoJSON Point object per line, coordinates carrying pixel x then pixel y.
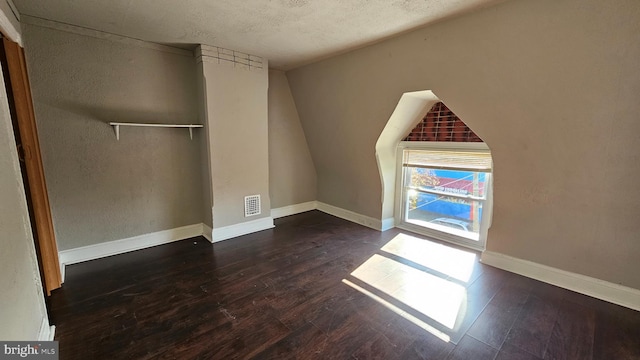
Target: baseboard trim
{"type": "Point", "coordinates": [207, 232]}
{"type": "Point", "coordinates": [380, 225]}
{"type": "Point", "coordinates": [92, 252]}
{"type": "Point", "coordinates": [109, 248]}
{"type": "Point", "coordinates": [47, 332]}
{"type": "Point", "coordinates": [600, 289]}
{"type": "Point", "coordinates": [388, 223]}
{"type": "Point", "coordinates": [231, 231]}
{"type": "Point", "coordinates": [349, 215]}
{"type": "Point", "coordinates": [116, 247]}
{"type": "Point", "coordinates": [293, 209]}
{"type": "Point", "coordinates": [63, 269]}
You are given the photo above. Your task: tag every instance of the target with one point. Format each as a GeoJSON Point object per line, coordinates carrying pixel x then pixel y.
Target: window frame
{"type": "Point", "coordinates": [400, 210]}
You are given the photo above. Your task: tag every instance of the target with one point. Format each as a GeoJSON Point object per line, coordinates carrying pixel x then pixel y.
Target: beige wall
{"type": "Point", "coordinates": [551, 86]}
{"type": "Point", "coordinates": [236, 112]}
{"type": "Point", "coordinates": [101, 189]}
{"type": "Point", "coordinates": [22, 308]}
{"type": "Point", "coordinates": [292, 176]}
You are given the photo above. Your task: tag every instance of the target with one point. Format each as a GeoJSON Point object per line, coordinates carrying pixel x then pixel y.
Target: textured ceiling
{"type": "Point", "coordinates": [287, 32]}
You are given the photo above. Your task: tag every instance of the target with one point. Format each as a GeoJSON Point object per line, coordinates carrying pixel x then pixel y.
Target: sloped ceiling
{"type": "Point", "coordinates": [287, 32]}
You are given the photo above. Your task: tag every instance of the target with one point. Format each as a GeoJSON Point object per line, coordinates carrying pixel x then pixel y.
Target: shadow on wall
{"type": "Point", "coordinates": [119, 113]}
{"type": "Point", "coordinates": [409, 112]}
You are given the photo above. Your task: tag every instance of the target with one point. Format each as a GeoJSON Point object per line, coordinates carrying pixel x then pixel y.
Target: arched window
{"type": "Point", "coordinates": [445, 180]}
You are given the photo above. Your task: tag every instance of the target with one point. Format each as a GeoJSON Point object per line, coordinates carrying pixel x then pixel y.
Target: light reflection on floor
{"type": "Point", "coordinates": [431, 283]}
{"type": "Point", "coordinates": [397, 310]}
{"type": "Point", "coordinates": [442, 258]}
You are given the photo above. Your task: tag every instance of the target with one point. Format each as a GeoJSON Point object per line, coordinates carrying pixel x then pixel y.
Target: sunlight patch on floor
{"type": "Point", "coordinates": [447, 260]}
{"type": "Point", "coordinates": [415, 277]}
{"type": "Point", "coordinates": [437, 298]}
{"type": "Point", "coordinates": [442, 336]}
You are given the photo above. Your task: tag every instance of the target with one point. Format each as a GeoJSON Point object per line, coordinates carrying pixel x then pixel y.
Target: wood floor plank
{"type": "Point", "coordinates": [573, 333]}
{"type": "Point", "coordinates": [428, 347]}
{"type": "Point", "coordinates": [398, 332]}
{"type": "Point", "coordinates": [279, 294]}
{"type": "Point", "coordinates": [479, 294]}
{"type": "Point", "coordinates": [509, 352]}
{"type": "Point", "coordinates": [617, 331]}
{"type": "Point", "coordinates": [496, 320]}
{"type": "Point", "coordinates": [377, 347]}
{"type": "Point", "coordinates": [532, 330]}
{"type": "Point", "coordinates": [351, 335]}
{"type": "Point", "coordinates": [470, 348]}
{"type": "Point", "coordinates": [296, 345]}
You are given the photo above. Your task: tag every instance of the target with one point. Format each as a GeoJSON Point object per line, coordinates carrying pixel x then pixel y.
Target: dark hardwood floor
{"type": "Point", "coordinates": [318, 287]}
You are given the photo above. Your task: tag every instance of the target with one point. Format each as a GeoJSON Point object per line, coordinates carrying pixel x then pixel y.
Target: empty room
{"type": "Point", "coordinates": [290, 179]}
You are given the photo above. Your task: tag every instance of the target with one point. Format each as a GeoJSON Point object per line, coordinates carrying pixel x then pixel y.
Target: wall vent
{"type": "Point", "coordinates": [251, 205]}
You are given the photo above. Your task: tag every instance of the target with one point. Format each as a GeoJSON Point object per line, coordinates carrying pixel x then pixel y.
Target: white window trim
{"type": "Point", "coordinates": [487, 207]}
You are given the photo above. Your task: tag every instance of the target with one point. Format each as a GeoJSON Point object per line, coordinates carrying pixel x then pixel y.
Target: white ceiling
{"type": "Point", "coordinates": [287, 32]}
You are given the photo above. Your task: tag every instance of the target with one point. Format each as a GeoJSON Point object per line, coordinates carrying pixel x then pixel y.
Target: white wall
{"type": "Point", "coordinates": [101, 189]}
{"type": "Point", "coordinates": [292, 176]}
{"type": "Point", "coordinates": [408, 113]}
{"type": "Point", "coordinates": [236, 124]}
{"type": "Point", "coordinates": [22, 307]}
{"type": "Point", "coordinates": [552, 88]}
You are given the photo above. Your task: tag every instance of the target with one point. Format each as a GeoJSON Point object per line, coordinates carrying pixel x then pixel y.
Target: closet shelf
{"type": "Point", "coordinates": [116, 127]}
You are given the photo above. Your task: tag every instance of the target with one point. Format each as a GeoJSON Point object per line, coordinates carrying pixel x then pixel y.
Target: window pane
{"type": "Point", "coordinates": [448, 210]}
{"type": "Point", "coordinates": [448, 182]}
{"type": "Point", "coordinates": [445, 213]}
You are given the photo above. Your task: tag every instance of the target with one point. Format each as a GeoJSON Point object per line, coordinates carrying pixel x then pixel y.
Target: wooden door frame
{"type": "Point", "coordinates": [36, 186]}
